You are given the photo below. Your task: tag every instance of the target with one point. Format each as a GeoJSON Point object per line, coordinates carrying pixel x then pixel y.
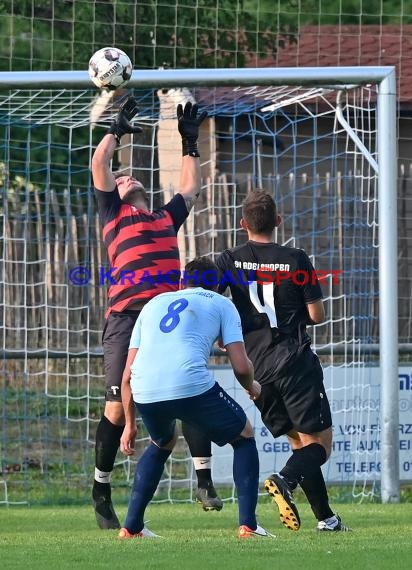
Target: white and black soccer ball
{"type": "Point", "coordinates": [110, 68]}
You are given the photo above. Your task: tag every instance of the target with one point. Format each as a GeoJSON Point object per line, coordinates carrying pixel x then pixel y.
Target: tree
{"type": "Point", "coordinates": [44, 34]}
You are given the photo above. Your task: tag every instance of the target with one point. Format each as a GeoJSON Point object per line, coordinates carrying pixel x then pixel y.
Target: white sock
{"type": "Point", "coordinates": [332, 521]}
{"type": "Point", "coordinates": [102, 476]}
{"type": "Point", "coordinates": [202, 463]}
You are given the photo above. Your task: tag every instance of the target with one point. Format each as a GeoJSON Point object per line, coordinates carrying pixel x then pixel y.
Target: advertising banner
{"type": "Point", "coordinates": [354, 396]}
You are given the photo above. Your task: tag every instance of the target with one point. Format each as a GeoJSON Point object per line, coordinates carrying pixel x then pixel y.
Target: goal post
{"type": "Point", "coordinates": [388, 285]}
{"type": "Point", "coordinates": [253, 105]}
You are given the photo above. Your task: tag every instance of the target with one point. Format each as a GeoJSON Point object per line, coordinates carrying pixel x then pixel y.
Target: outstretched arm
{"type": "Point", "coordinates": [188, 124]}
{"type": "Point", "coordinates": [190, 180]}
{"type": "Point", "coordinates": [103, 178]}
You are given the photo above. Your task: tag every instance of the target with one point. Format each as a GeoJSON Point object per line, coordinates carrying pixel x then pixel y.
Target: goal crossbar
{"type": "Point", "coordinates": [152, 78]}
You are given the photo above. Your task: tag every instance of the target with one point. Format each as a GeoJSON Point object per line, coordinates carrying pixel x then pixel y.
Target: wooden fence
{"type": "Point", "coordinates": [45, 235]}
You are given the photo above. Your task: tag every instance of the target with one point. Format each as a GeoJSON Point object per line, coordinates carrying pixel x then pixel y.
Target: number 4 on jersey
{"type": "Point", "coordinates": [269, 302]}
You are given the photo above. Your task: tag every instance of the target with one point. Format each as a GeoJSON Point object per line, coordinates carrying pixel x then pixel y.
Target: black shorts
{"type": "Point", "coordinates": [116, 339]}
{"type": "Point", "coordinates": [296, 400]}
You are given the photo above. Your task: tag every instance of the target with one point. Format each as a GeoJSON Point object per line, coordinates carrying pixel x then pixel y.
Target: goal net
{"type": "Point", "coordinates": [312, 144]}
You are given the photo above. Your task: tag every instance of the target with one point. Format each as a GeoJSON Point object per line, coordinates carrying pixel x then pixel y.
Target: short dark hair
{"type": "Point", "coordinates": [201, 272]}
{"type": "Point", "coordinates": [119, 174]}
{"type": "Point", "coordinates": [141, 192]}
{"type": "Point", "coordinates": [259, 212]}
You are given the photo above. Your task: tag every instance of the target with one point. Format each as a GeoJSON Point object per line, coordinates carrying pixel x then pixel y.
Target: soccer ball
{"type": "Point", "coordinates": [110, 68]}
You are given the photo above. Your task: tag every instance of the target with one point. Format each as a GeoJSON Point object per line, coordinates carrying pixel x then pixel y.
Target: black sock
{"type": "Point", "coordinates": [199, 446]}
{"type": "Point", "coordinates": [101, 490]}
{"type": "Point", "coordinates": [106, 446]}
{"type": "Point", "coordinates": [314, 487]}
{"type": "Point", "coordinates": [303, 462]}
{"type": "Point", "coordinates": [204, 478]}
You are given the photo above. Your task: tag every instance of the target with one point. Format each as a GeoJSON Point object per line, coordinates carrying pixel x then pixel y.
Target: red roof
{"type": "Point", "coordinates": [330, 46]}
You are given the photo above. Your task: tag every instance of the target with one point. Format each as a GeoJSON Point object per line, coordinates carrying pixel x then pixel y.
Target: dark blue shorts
{"type": "Point", "coordinates": [214, 412]}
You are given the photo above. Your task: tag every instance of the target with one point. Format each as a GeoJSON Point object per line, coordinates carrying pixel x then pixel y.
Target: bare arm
{"type": "Point", "coordinates": [128, 438]}
{"type": "Point", "coordinates": [188, 122]}
{"type": "Point", "coordinates": [243, 368]}
{"type": "Point", "coordinates": [316, 312]}
{"type": "Point", "coordinates": [190, 180]}
{"type": "Point", "coordinates": [103, 177]}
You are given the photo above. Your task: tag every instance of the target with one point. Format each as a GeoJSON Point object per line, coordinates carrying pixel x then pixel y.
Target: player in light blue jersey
{"type": "Point", "coordinates": [179, 331]}
{"type": "Point", "coordinates": [167, 378]}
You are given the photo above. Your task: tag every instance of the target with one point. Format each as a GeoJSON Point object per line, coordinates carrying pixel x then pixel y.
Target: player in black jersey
{"type": "Point", "coordinates": [277, 294]}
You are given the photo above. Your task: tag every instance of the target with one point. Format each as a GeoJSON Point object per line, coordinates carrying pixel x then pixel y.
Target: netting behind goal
{"type": "Point", "coordinates": [313, 148]}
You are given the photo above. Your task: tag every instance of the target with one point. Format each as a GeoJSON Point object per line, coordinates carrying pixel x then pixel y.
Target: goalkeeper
{"type": "Point", "coordinates": [140, 242]}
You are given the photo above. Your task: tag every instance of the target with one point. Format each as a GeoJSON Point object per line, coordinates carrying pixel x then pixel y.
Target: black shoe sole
{"type": "Point", "coordinates": [287, 514]}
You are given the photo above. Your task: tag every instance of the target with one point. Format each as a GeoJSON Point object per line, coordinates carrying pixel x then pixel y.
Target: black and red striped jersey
{"type": "Point", "coordinates": [142, 248]}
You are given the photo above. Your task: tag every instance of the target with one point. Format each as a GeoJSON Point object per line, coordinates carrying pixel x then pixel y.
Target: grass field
{"type": "Point", "coordinates": [61, 538]}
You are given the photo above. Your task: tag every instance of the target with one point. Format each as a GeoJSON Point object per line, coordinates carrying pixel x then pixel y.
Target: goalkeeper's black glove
{"type": "Point", "coordinates": [188, 125]}
{"type": "Point", "coordinates": [121, 125]}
